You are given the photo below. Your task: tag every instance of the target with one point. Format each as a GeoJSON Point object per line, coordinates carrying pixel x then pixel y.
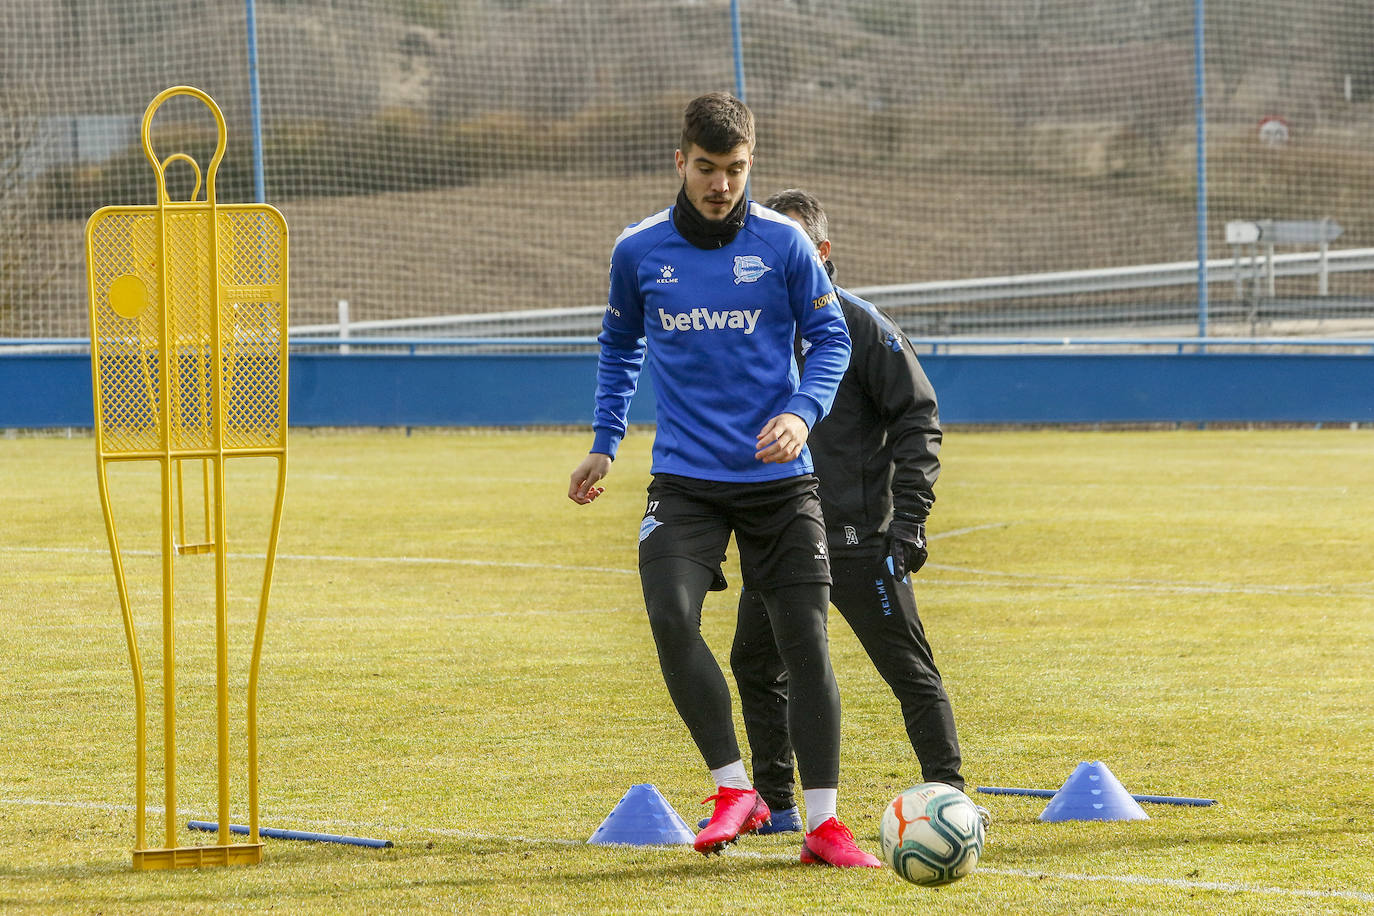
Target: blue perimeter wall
{"type": "Point", "coordinates": [328, 389]}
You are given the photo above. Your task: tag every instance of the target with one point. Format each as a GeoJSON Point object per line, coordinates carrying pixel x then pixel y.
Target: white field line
{"type": "Point", "coordinates": [320, 826]}
{"type": "Point", "coordinates": [384, 829]}
{"type": "Point", "coordinates": [1049, 580]}
{"type": "Point", "coordinates": [1223, 886]}
{"type": "Point", "coordinates": [1167, 487]}
{"type": "Point", "coordinates": [958, 531]}
{"type": "Point", "coordinates": [330, 558]}
{"type": "Point", "coordinates": [1009, 579]}
{"type": "Point", "coordinates": [418, 561]}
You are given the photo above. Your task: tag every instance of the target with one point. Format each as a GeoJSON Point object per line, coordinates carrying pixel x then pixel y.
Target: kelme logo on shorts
{"type": "Point", "coordinates": [748, 268]}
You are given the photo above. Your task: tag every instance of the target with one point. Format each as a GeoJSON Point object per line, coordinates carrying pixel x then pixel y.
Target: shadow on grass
{"type": "Point", "coordinates": [308, 873]}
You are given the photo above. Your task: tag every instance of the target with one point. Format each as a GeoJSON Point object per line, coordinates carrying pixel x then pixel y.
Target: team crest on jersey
{"type": "Point", "coordinates": [851, 537]}
{"type": "Point", "coordinates": [748, 268]}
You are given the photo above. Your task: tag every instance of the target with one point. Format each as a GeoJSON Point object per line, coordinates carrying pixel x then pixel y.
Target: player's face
{"type": "Point", "coordinates": [715, 181]}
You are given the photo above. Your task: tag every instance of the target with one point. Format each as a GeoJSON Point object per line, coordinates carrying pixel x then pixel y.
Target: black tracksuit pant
{"type": "Point", "coordinates": [780, 534]}
{"type": "Point", "coordinates": [882, 612]}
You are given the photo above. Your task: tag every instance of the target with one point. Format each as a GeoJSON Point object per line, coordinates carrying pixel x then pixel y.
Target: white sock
{"type": "Point", "coordinates": [820, 806]}
{"type": "Point", "coordinates": [732, 776]}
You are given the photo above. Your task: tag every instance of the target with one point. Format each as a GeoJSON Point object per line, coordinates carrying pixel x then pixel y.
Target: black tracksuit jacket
{"type": "Point", "coordinates": [878, 448]}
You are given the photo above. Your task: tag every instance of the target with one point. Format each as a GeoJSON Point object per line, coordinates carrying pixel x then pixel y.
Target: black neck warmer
{"type": "Point", "coordinates": [703, 232]}
{"type": "Point", "coordinates": [830, 269]}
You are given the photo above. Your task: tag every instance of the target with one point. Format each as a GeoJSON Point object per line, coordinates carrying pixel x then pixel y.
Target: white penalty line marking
{"type": "Point", "coordinates": [1136, 880]}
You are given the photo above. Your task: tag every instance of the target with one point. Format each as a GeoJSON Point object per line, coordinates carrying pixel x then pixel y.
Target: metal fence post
{"type": "Point", "coordinates": [739, 49]}
{"type": "Point", "coordinates": [1323, 287]}
{"type": "Point", "coordinates": [343, 325]}
{"type": "Point", "coordinates": [255, 101]}
{"type": "Point", "coordinates": [1200, 78]}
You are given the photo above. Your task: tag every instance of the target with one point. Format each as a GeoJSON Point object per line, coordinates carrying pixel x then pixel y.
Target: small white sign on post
{"type": "Point", "coordinates": [1271, 232]}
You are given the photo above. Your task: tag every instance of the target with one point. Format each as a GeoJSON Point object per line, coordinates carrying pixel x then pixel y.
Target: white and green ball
{"type": "Point", "coordinates": [932, 834]}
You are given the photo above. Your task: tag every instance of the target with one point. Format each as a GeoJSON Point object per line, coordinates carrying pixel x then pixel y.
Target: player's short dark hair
{"type": "Point", "coordinates": [804, 205]}
{"type": "Point", "coordinates": [717, 122]}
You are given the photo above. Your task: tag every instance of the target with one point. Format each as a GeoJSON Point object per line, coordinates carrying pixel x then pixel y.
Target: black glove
{"type": "Point", "coordinates": [906, 544]}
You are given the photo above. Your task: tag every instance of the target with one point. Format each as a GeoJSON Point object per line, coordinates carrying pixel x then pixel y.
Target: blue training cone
{"type": "Point", "coordinates": [1092, 793]}
{"type": "Point", "coordinates": [643, 817]}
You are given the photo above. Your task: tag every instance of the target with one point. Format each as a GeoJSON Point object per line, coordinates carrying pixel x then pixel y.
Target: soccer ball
{"type": "Point", "coordinates": [932, 834]}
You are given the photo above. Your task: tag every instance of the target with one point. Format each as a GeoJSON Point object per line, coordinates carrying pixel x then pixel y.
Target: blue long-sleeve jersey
{"type": "Point", "coordinates": [719, 329]}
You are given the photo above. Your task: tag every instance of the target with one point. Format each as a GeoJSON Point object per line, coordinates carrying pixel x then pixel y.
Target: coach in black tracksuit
{"type": "Point", "coordinates": [877, 458]}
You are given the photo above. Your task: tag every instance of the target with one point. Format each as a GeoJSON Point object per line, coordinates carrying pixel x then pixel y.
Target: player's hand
{"type": "Point", "coordinates": [781, 439]}
{"type": "Point", "coordinates": [906, 545]}
{"type": "Point", "coordinates": [582, 487]}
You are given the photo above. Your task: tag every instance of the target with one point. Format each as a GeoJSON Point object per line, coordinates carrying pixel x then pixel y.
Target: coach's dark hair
{"type": "Point", "coordinates": [805, 206]}
{"type": "Point", "coordinates": [717, 122]}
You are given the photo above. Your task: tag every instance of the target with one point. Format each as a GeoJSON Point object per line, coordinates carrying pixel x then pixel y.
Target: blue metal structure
{"type": "Point", "coordinates": [1200, 81]}
{"type": "Point", "coordinates": [255, 101]}
{"type": "Point", "coordinates": [738, 40]}
{"type": "Point", "coordinates": [277, 833]}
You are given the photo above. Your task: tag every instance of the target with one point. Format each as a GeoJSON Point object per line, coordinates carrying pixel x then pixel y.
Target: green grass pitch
{"type": "Point", "coordinates": [457, 660]}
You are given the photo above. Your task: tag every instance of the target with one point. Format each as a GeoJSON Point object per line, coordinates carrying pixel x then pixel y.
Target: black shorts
{"type": "Point", "coordinates": [777, 525]}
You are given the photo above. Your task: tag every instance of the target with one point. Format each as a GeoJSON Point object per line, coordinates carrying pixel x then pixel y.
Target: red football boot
{"type": "Point", "coordinates": [832, 843]}
{"type": "Point", "coordinates": [737, 811]}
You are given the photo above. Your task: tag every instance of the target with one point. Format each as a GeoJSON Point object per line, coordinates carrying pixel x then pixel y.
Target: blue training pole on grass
{"type": "Point", "coordinates": [278, 834]}
{"type": "Point", "coordinates": [1157, 799]}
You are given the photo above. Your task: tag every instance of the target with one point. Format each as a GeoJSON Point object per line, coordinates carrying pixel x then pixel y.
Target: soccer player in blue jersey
{"type": "Point", "coordinates": [714, 290]}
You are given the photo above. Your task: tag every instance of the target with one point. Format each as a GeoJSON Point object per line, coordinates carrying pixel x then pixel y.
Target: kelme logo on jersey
{"type": "Point", "coordinates": [707, 320]}
{"type": "Point", "coordinates": [748, 268]}
{"type": "Point", "coordinates": [665, 274]}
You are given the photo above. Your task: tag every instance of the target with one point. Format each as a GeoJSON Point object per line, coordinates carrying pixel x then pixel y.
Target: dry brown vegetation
{"type": "Point", "coordinates": [543, 239]}
{"type": "Point", "coordinates": [438, 158]}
